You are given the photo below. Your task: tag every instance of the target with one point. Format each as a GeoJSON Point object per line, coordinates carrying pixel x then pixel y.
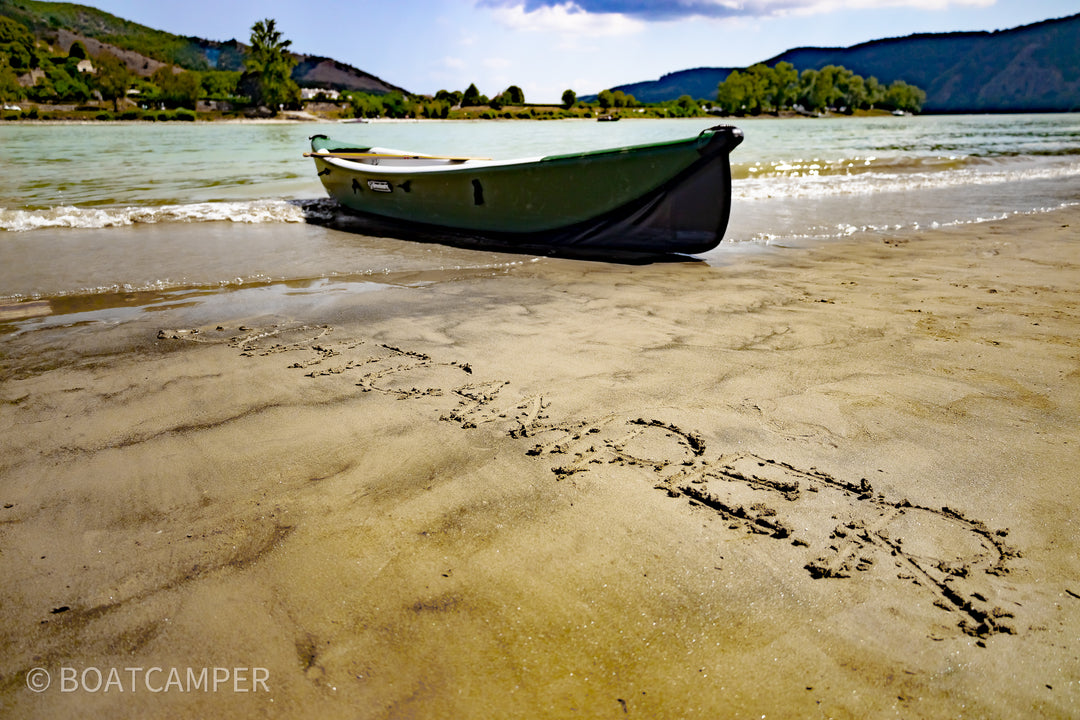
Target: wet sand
{"type": "Point", "coordinates": [835, 481]}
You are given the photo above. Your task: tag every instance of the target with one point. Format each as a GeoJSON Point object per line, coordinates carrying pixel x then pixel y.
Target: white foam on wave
{"type": "Point", "coordinates": [809, 185]}
{"type": "Point", "coordinates": [248, 212]}
{"type": "Point", "coordinates": [845, 230]}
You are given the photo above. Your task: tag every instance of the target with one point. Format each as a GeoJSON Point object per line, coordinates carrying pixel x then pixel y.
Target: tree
{"type": "Point", "coordinates": [605, 99]}
{"type": "Point", "coordinates": [904, 97]}
{"type": "Point", "coordinates": [686, 106]}
{"type": "Point", "coordinates": [817, 90]}
{"type": "Point", "coordinates": [435, 109]}
{"type": "Point", "coordinates": [61, 81]}
{"type": "Point", "coordinates": [395, 105]}
{"type": "Point", "coordinates": [786, 83]}
{"type": "Point", "coordinates": [850, 89]}
{"type": "Point", "coordinates": [471, 96]}
{"type": "Point", "coordinates": [17, 45]}
{"type": "Point", "coordinates": [113, 78]}
{"type": "Point", "coordinates": [10, 90]}
{"type": "Point", "coordinates": [177, 88]}
{"type": "Point", "coordinates": [454, 98]}
{"type": "Point", "coordinates": [219, 83]}
{"type": "Point", "coordinates": [569, 97]}
{"type": "Point", "coordinates": [267, 77]}
{"type": "Point", "coordinates": [760, 87]}
{"type": "Point", "coordinates": [875, 91]}
{"type": "Point", "coordinates": [732, 94]}
{"type": "Point", "coordinates": [514, 95]}
{"type": "Point", "coordinates": [365, 105]}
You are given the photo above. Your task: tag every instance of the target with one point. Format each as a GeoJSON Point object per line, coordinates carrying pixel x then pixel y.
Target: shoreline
{"type": "Point", "coordinates": [315, 119]}
{"type": "Point", "coordinates": [787, 115]}
{"type": "Point", "coordinates": [820, 480]}
{"type": "Point", "coordinates": [460, 256]}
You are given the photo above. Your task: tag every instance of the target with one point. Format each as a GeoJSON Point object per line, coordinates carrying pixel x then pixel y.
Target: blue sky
{"type": "Point", "coordinates": [548, 46]}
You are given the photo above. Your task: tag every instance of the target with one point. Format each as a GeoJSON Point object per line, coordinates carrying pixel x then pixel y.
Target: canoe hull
{"type": "Point", "coordinates": [664, 198]}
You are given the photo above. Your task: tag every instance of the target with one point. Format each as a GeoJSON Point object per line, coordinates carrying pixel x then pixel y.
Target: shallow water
{"type": "Point", "coordinates": [131, 207]}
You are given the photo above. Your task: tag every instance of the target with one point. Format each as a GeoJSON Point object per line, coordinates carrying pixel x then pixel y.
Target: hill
{"type": "Point", "coordinates": [697, 83]}
{"type": "Point", "coordinates": [1033, 68]}
{"type": "Point", "coordinates": [145, 49]}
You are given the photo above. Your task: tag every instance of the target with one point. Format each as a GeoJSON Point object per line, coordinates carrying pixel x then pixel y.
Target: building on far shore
{"type": "Point", "coordinates": [313, 93]}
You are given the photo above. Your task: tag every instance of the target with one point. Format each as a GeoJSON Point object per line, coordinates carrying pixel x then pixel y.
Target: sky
{"type": "Point", "coordinates": [548, 46]}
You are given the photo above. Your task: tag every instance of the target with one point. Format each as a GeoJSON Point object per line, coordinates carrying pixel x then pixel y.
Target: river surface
{"type": "Point", "coordinates": [94, 208]}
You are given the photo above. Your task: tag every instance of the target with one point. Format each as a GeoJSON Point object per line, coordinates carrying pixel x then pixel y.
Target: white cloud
{"type": "Point", "coordinates": [814, 7]}
{"type": "Point", "coordinates": [566, 18]}
{"type": "Point", "coordinates": [618, 17]}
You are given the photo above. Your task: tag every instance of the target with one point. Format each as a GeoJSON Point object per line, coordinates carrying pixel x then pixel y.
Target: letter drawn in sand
{"type": "Point", "coordinates": [847, 528]}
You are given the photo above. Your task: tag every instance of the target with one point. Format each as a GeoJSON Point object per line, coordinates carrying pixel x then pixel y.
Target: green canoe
{"type": "Point", "coordinates": [667, 197]}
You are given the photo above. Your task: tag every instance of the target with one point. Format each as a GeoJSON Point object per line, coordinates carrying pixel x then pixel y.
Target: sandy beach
{"type": "Point", "coordinates": [835, 481]}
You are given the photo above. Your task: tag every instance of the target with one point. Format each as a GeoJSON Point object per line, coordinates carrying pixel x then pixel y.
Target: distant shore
{"type": "Point", "coordinates": [42, 114]}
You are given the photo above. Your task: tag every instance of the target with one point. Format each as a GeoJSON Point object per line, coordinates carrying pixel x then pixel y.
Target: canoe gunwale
{"type": "Point", "coordinates": [421, 166]}
{"type": "Point", "coordinates": [421, 163]}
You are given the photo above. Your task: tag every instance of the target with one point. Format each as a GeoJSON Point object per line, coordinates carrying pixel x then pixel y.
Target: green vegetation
{"type": "Point", "coordinates": [761, 88]}
{"type": "Point", "coordinates": [32, 69]}
{"type": "Point", "coordinates": [173, 88]}
{"type": "Point", "coordinates": [17, 56]}
{"type": "Point", "coordinates": [513, 95]}
{"type": "Point", "coordinates": [44, 19]}
{"type": "Point", "coordinates": [471, 104]}
{"type": "Point", "coordinates": [113, 79]}
{"type": "Point", "coordinates": [267, 77]}
{"type": "Point", "coordinates": [618, 99]}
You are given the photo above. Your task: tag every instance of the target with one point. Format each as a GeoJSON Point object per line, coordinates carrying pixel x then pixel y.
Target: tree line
{"type": "Point", "coordinates": [761, 88]}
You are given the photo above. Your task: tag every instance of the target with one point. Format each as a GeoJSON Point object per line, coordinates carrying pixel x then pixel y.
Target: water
{"type": "Point", "coordinates": [101, 208]}
{"type": "Point", "coordinates": [805, 182]}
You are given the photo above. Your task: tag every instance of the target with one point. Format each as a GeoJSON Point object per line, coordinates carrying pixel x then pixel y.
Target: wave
{"type": "Point", "coordinates": [818, 167]}
{"type": "Point", "coordinates": [778, 179]}
{"type": "Point", "coordinates": [246, 212]}
{"type": "Point", "coordinates": [809, 179]}
{"type": "Point", "coordinates": [815, 233]}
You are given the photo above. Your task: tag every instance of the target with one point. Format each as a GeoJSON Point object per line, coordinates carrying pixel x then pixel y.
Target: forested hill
{"type": "Point", "coordinates": [699, 83]}
{"type": "Point", "coordinates": [1025, 69]}
{"type": "Point", "coordinates": [145, 49]}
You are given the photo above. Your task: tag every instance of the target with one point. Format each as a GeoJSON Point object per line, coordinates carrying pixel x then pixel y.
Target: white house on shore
{"type": "Point", "coordinates": [312, 93]}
